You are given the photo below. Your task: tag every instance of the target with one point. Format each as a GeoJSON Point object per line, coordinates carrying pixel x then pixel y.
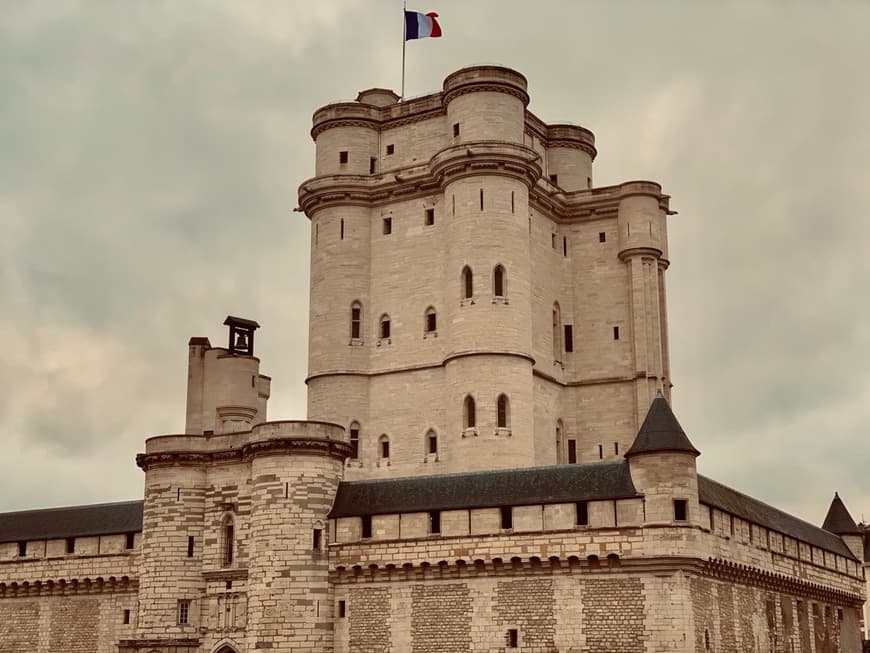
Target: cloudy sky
{"type": "Point", "coordinates": [150, 154]}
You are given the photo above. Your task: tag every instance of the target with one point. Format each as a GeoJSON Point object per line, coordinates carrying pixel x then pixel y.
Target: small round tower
{"type": "Point", "coordinates": [295, 471]}
{"type": "Point", "coordinates": [570, 153]}
{"type": "Point", "coordinates": [663, 469]}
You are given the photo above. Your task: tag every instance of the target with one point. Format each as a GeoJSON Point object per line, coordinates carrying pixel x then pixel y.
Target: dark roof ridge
{"type": "Point", "coordinates": [812, 535]}
{"type": "Point", "coordinates": [82, 505]}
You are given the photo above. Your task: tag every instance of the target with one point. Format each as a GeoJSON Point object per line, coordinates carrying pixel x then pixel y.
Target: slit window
{"type": "Point", "coordinates": [435, 522]}
{"type": "Point", "coordinates": [553, 241]}
{"type": "Point", "coordinates": [229, 542]}
{"type": "Point", "coordinates": [385, 327]}
{"type": "Point", "coordinates": [366, 527]}
{"type": "Point", "coordinates": [391, 149]}
{"type": "Point", "coordinates": [190, 541]}
{"type": "Point", "coordinates": [557, 333]}
{"type": "Point", "coordinates": [467, 283]}
{"type": "Point", "coordinates": [317, 539]}
{"type": "Point", "coordinates": [354, 440]}
{"type": "Point", "coordinates": [582, 513]}
{"type": "Point", "coordinates": [343, 157]}
{"type": "Point", "coordinates": [616, 333]}
{"type": "Point", "coordinates": [600, 451]}
{"type": "Point", "coordinates": [498, 279]}
{"type": "Point", "coordinates": [126, 617]}
{"type": "Point", "coordinates": [513, 205]}
{"type": "Point", "coordinates": [372, 163]}
{"type": "Point", "coordinates": [388, 226]}
{"type": "Point", "coordinates": [572, 452]}
{"type": "Point", "coordinates": [470, 416]}
{"type": "Point", "coordinates": [355, 320]}
{"type": "Point", "coordinates": [569, 337]}
{"type": "Point", "coordinates": [341, 231]}
{"type": "Point", "coordinates": [130, 541]}
{"type": "Point", "coordinates": [564, 245]}
{"type": "Point", "coordinates": [507, 517]}
{"type": "Point", "coordinates": [615, 448]}
{"type": "Point", "coordinates": [455, 129]}
{"type": "Point", "coordinates": [502, 415]}
{"type": "Point", "coordinates": [429, 218]}
{"type": "Point", "coordinates": [481, 199]}
{"type": "Point", "coordinates": [22, 549]}
{"type": "Point", "coordinates": [681, 508]}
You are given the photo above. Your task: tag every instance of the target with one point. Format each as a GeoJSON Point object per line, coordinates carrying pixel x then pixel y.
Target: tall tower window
{"type": "Point", "coordinates": [372, 163]}
{"type": "Point", "coordinates": [498, 281]}
{"type": "Point", "coordinates": [467, 283]}
{"type": "Point", "coordinates": [572, 452]}
{"type": "Point", "coordinates": [341, 230]}
{"type": "Point", "coordinates": [430, 322]}
{"type": "Point", "coordinates": [385, 326]}
{"type": "Point", "coordinates": [229, 536]}
{"type": "Point", "coordinates": [569, 337]}
{"type": "Point", "coordinates": [384, 446]}
{"type": "Point", "coordinates": [356, 320]}
{"type": "Point", "coordinates": [387, 226]}
{"type": "Point", "coordinates": [431, 442]}
{"type": "Point", "coordinates": [469, 413]}
{"type": "Point", "coordinates": [429, 217]}
{"type": "Point", "coordinates": [502, 412]}
{"type": "Point", "coordinates": [354, 440]}
{"type": "Point", "coordinates": [560, 456]}
{"type": "Point", "coordinates": [557, 333]}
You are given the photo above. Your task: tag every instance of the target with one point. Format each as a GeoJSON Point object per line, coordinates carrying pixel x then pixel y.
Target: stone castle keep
{"type": "Point", "coordinates": [490, 461]}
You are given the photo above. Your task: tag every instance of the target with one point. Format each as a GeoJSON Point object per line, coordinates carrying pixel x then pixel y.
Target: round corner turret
{"type": "Point", "coordinates": [486, 103]}
{"type": "Point", "coordinates": [570, 153]}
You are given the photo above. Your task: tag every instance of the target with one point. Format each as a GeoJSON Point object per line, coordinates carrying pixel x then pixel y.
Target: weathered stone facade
{"type": "Point", "coordinates": [490, 464]}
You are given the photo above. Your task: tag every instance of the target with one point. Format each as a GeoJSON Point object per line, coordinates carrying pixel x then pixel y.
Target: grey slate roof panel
{"type": "Point", "coordinates": [838, 520]}
{"type": "Point", "coordinates": [489, 489]}
{"type": "Point", "coordinates": [724, 498]}
{"type": "Point", "coordinates": [661, 431]}
{"type": "Point", "coordinates": [74, 521]}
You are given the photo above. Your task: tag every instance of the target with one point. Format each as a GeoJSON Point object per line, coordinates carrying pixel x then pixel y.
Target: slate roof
{"type": "Point", "coordinates": [74, 521]}
{"type": "Point", "coordinates": [724, 498]}
{"type": "Point", "coordinates": [489, 489]}
{"type": "Point", "coordinates": [838, 520]}
{"type": "Point", "coordinates": [661, 431]}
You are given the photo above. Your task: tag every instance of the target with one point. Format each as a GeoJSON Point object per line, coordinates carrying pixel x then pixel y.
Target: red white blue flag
{"type": "Point", "coordinates": [421, 26]}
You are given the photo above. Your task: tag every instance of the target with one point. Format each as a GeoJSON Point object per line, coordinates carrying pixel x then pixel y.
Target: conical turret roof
{"type": "Point", "coordinates": [661, 431]}
{"type": "Point", "coordinates": [839, 521]}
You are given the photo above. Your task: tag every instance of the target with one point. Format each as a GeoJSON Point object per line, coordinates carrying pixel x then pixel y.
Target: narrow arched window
{"type": "Point", "coordinates": [557, 332]}
{"type": "Point", "coordinates": [356, 321]}
{"type": "Point", "coordinates": [467, 283]}
{"type": "Point", "coordinates": [354, 440]}
{"type": "Point", "coordinates": [229, 540]}
{"type": "Point", "coordinates": [469, 416]}
{"type": "Point", "coordinates": [502, 412]}
{"type": "Point", "coordinates": [385, 326]}
{"type": "Point", "coordinates": [430, 321]}
{"type": "Point", "coordinates": [560, 455]}
{"type": "Point", "coordinates": [384, 447]}
{"type": "Point", "coordinates": [498, 282]}
{"type": "Point", "coordinates": [431, 442]}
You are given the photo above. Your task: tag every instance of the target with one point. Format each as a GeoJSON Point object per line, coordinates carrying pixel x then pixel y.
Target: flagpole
{"type": "Point", "coordinates": [404, 42]}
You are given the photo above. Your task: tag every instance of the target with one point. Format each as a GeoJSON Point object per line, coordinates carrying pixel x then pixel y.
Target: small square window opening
{"type": "Point", "coordinates": [126, 617]}
{"type": "Point", "coordinates": [681, 509]}
{"type": "Point", "coordinates": [602, 237]}
{"type": "Point", "coordinates": [616, 333]}
{"type": "Point", "coordinates": [391, 149]}
{"type": "Point", "coordinates": [342, 157]}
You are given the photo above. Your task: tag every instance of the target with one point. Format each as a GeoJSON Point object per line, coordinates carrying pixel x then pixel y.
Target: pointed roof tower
{"type": "Point", "coordinates": [839, 521]}
{"type": "Point", "coordinates": [661, 431]}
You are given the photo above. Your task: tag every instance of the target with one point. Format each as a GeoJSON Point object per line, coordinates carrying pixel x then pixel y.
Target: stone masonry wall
{"type": "Point", "coordinates": [66, 624]}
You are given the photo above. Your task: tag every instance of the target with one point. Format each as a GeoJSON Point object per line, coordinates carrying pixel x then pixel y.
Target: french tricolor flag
{"type": "Point", "coordinates": [420, 26]}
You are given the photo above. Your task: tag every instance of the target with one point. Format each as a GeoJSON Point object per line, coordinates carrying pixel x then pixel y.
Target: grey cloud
{"type": "Point", "coordinates": [151, 154]}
